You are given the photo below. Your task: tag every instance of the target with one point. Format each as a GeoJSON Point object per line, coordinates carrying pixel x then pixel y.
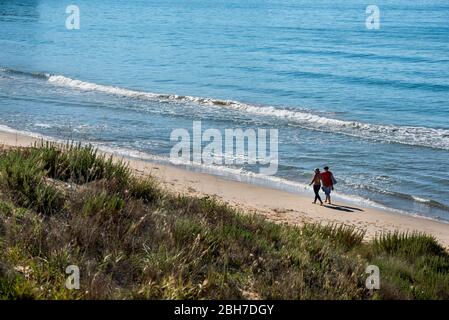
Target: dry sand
{"type": "Point", "coordinates": [276, 205]}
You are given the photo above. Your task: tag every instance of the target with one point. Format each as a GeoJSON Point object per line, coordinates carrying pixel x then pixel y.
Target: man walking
{"type": "Point", "coordinates": [328, 180]}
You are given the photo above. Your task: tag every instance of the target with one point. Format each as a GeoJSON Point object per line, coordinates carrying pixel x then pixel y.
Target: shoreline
{"type": "Point", "coordinates": [274, 204]}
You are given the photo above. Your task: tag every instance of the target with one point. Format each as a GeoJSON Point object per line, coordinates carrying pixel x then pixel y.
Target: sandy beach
{"type": "Point", "coordinates": [275, 205]}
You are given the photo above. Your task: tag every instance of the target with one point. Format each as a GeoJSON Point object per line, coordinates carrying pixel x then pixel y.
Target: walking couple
{"type": "Point", "coordinates": [326, 179]}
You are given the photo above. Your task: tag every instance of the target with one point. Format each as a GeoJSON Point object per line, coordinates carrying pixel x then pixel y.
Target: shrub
{"type": "Point", "coordinates": [80, 164]}
{"type": "Point", "coordinates": [146, 189]}
{"type": "Point", "coordinates": [22, 177]}
{"type": "Point", "coordinates": [409, 245]}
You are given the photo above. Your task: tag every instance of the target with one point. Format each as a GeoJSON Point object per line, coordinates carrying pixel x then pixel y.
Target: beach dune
{"type": "Point", "coordinates": [275, 205]}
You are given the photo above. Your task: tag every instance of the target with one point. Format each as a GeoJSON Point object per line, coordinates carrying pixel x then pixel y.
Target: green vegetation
{"type": "Point", "coordinates": [131, 239]}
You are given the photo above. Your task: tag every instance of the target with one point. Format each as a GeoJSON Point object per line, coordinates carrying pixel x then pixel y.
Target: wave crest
{"type": "Point", "coordinates": [416, 136]}
{"type": "Point", "coordinates": [409, 135]}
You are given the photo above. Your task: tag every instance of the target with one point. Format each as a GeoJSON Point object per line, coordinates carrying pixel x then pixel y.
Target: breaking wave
{"type": "Point", "coordinates": [409, 135]}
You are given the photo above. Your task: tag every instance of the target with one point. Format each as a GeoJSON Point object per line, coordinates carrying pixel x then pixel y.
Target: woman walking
{"type": "Point", "coordinates": [316, 181]}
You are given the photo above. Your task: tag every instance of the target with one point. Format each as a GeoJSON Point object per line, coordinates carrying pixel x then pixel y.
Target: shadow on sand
{"type": "Point", "coordinates": [342, 208]}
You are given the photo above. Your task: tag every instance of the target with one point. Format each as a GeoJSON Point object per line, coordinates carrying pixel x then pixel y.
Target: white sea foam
{"type": "Point", "coordinates": [42, 125]}
{"type": "Point", "coordinates": [7, 129]}
{"type": "Point", "coordinates": [418, 136]}
{"type": "Point", "coordinates": [422, 200]}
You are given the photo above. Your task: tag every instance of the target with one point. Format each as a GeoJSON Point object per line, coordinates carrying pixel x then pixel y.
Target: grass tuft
{"type": "Point", "coordinates": [22, 179]}
{"type": "Point", "coordinates": [79, 164]}
{"type": "Point", "coordinates": [147, 189]}
{"type": "Point", "coordinates": [408, 244]}
{"type": "Point", "coordinates": [344, 235]}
